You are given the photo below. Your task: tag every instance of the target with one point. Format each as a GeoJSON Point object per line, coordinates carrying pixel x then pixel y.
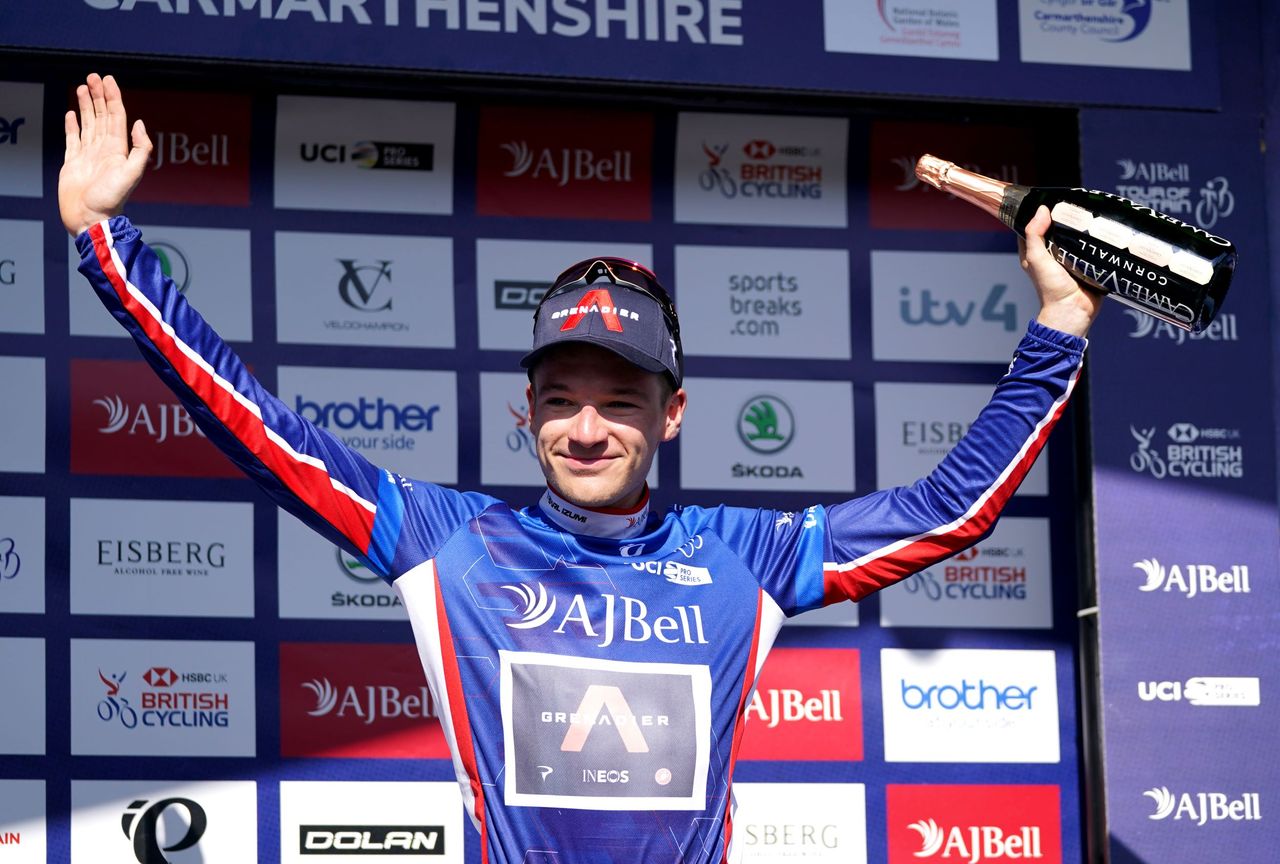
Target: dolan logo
{"type": "Point", "coordinates": [140, 825]}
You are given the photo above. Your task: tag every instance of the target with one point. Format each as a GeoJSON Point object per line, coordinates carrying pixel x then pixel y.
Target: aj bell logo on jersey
{"type": "Point", "coordinates": [621, 615]}
{"type": "Point", "coordinates": [1193, 579]}
{"type": "Point", "coordinates": [1201, 807]}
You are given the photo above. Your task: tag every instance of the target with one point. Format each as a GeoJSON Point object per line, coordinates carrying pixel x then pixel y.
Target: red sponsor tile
{"type": "Point", "coordinates": [807, 706]}
{"type": "Point", "coordinates": [356, 701]}
{"type": "Point", "coordinates": [899, 200]}
{"type": "Point", "coordinates": [973, 824]}
{"type": "Point", "coordinates": [125, 421]}
{"type": "Point", "coordinates": [201, 147]}
{"type": "Point", "coordinates": [566, 164]}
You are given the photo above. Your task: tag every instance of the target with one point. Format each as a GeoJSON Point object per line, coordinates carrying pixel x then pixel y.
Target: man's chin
{"type": "Point", "coordinates": [595, 493]}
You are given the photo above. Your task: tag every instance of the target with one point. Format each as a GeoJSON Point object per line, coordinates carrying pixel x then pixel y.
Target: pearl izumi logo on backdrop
{"type": "Point", "coordinates": [363, 289]}
{"type": "Point", "coordinates": [125, 421]}
{"type": "Point", "coordinates": [163, 821]}
{"type": "Point", "coordinates": [1201, 808]}
{"type": "Point", "coordinates": [538, 162]}
{"type": "Point", "coordinates": [356, 701]}
{"type": "Point", "coordinates": [807, 706]}
{"type": "Point", "coordinates": [957, 29]}
{"type": "Point", "coordinates": [899, 200]}
{"type": "Point", "coordinates": [1151, 34]}
{"type": "Point", "coordinates": [973, 824]}
{"type": "Point", "coordinates": [372, 155]}
{"type": "Point", "coordinates": [201, 147]}
{"type": "Point", "coordinates": [1185, 450]}
{"type": "Point", "coordinates": [761, 170]}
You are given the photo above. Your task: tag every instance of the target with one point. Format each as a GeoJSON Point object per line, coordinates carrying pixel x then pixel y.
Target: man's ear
{"type": "Point", "coordinates": [528, 401]}
{"type": "Point", "coordinates": [674, 415]}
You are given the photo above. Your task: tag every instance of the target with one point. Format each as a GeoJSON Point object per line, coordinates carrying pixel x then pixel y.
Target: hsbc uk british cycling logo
{"type": "Point", "coordinates": [1191, 451]}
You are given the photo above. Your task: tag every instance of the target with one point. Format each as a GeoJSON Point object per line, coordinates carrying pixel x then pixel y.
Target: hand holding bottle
{"type": "Point", "coordinates": [1065, 304]}
{"type": "Point", "coordinates": [100, 169]}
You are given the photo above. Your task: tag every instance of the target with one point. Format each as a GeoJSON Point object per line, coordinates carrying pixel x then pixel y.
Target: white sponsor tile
{"type": "Point", "coordinates": [948, 306]}
{"type": "Point", "coordinates": [1005, 581]}
{"type": "Point", "coordinates": [210, 267]}
{"type": "Point", "coordinates": [161, 558]}
{"type": "Point", "coordinates": [400, 419]}
{"type": "Point", "coordinates": [126, 821]}
{"type": "Point", "coordinates": [918, 424]}
{"type": "Point", "coordinates": [22, 392]}
{"type": "Point", "coordinates": [22, 566]}
{"type": "Point", "coordinates": [507, 454]}
{"type": "Point", "coordinates": [364, 289]}
{"type": "Point", "coordinates": [1151, 35]}
{"type": "Point", "coordinates": [511, 276]}
{"type": "Point", "coordinates": [954, 29]}
{"type": "Point", "coordinates": [835, 615]}
{"type": "Point", "coordinates": [742, 169]}
{"type": "Point", "coordinates": [319, 580]}
{"type": "Point", "coordinates": [429, 817]}
{"type": "Point", "coordinates": [969, 705]}
{"type": "Point", "coordinates": [767, 434]}
{"type": "Point", "coordinates": [813, 822]}
{"type": "Point", "coordinates": [738, 301]}
{"type": "Point", "coordinates": [21, 273]}
{"type": "Point", "coordinates": [205, 708]}
{"type": "Point", "coordinates": [323, 145]}
{"type": "Point", "coordinates": [23, 826]}
{"type": "Point", "coordinates": [22, 683]}
{"type": "Point", "coordinates": [21, 141]}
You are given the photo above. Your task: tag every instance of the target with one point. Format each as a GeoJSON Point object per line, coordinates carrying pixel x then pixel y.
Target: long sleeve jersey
{"type": "Point", "coordinates": [592, 690]}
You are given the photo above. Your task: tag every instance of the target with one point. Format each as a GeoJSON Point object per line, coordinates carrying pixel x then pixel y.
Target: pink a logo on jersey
{"type": "Point", "coordinates": [973, 824]}
{"type": "Point", "coordinates": [357, 701]}
{"type": "Point", "coordinates": [125, 421]}
{"type": "Point", "coordinates": [807, 706]}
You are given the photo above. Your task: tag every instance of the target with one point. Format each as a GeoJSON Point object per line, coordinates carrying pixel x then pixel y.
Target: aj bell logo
{"type": "Point", "coordinates": [625, 615]}
{"type": "Point", "coordinates": [161, 422]}
{"type": "Point", "coordinates": [140, 825]}
{"type": "Point", "coordinates": [568, 163]}
{"type": "Point", "coordinates": [369, 703]}
{"type": "Point", "coordinates": [1223, 329]}
{"type": "Point", "coordinates": [976, 843]}
{"type": "Point", "coordinates": [1202, 807]}
{"type": "Point", "coordinates": [1193, 579]}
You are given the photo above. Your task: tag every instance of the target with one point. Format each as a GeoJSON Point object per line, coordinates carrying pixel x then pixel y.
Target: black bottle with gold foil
{"type": "Point", "coordinates": [1145, 259]}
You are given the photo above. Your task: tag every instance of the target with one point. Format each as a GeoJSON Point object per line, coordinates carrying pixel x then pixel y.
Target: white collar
{"type": "Point", "coordinates": [610, 523]}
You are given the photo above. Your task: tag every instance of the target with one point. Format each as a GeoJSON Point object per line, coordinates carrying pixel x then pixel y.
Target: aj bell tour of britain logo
{"type": "Point", "coordinates": [1189, 451]}
{"type": "Point", "coordinates": [1192, 580]}
{"type": "Point", "coordinates": [1170, 189]}
{"type": "Point", "coordinates": [141, 821]}
{"type": "Point", "coordinates": [1199, 808]}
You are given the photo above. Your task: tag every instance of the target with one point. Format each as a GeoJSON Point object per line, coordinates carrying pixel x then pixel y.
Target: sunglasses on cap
{"type": "Point", "coordinates": [619, 271]}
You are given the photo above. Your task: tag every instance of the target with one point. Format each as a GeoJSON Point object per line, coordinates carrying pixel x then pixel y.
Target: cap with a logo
{"type": "Point", "coordinates": [615, 304]}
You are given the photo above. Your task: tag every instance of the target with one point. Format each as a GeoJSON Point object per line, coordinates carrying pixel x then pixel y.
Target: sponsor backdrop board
{"type": "Point", "coordinates": [269, 196]}
{"type": "Point", "coordinates": [1185, 514]}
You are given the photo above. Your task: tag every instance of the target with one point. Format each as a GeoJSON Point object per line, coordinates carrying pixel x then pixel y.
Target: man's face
{"type": "Point", "coordinates": [598, 421]}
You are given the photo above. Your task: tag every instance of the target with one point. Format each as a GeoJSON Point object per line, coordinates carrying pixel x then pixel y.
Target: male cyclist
{"type": "Point", "coordinates": [592, 659]}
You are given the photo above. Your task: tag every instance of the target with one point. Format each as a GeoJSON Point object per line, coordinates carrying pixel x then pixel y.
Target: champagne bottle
{"type": "Point", "coordinates": [1177, 272]}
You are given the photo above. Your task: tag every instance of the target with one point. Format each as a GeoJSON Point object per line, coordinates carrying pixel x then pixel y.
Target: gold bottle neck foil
{"type": "Point", "coordinates": [977, 189]}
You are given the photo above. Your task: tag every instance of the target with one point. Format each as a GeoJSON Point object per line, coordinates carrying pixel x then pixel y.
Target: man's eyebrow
{"type": "Point", "coordinates": [619, 390]}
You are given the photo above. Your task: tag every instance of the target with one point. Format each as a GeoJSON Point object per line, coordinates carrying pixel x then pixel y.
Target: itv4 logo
{"type": "Point", "coordinates": [922, 309]}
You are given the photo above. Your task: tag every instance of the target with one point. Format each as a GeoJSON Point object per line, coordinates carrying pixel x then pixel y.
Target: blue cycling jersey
{"type": "Point", "coordinates": [593, 670]}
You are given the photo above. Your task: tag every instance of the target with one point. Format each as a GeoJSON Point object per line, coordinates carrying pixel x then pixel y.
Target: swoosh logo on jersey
{"type": "Point", "coordinates": [538, 607]}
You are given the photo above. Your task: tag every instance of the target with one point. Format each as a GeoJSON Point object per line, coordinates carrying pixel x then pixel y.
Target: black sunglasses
{"type": "Point", "coordinates": [618, 271]}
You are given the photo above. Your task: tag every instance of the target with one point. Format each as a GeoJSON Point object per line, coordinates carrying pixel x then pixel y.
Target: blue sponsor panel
{"type": "Point", "coordinates": [1186, 520]}
{"type": "Point", "coordinates": [1018, 49]}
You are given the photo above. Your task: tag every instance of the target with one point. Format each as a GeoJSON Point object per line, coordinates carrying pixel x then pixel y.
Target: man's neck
{"type": "Point", "coordinates": [612, 523]}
